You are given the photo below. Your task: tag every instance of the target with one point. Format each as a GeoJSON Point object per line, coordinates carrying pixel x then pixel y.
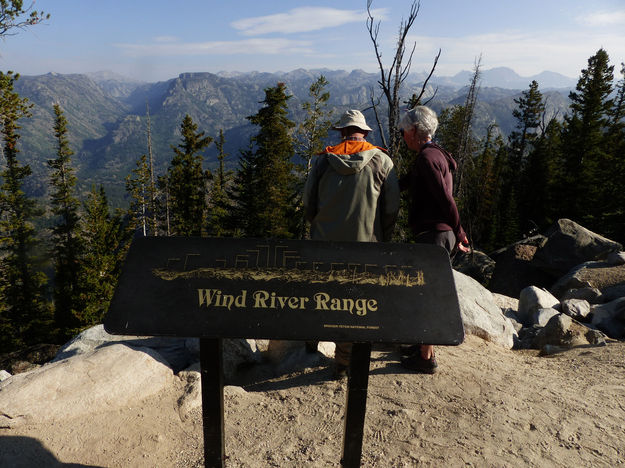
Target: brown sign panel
{"type": "Point", "coordinates": [286, 289]}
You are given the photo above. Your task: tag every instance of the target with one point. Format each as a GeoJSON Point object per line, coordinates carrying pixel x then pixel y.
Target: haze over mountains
{"type": "Point", "coordinates": [107, 120]}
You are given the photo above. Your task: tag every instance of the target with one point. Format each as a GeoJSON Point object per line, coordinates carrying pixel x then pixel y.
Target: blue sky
{"type": "Point", "coordinates": [154, 40]}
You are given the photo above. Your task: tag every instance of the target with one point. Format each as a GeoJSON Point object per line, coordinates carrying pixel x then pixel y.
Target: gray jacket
{"type": "Point", "coordinates": [352, 194]}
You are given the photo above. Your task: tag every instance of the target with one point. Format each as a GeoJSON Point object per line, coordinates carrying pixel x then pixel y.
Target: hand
{"type": "Point", "coordinates": [463, 245]}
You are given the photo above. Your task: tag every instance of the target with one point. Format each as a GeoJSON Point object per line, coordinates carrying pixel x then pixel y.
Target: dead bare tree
{"type": "Point", "coordinates": [463, 152]}
{"type": "Point", "coordinates": [392, 78]}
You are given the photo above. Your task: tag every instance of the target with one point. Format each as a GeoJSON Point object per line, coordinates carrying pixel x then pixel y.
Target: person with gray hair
{"type": "Point", "coordinates": [432, 212]}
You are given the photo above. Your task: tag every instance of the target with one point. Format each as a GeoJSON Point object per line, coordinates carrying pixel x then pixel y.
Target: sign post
{"type": "Point", "coordinates": [215, 288]}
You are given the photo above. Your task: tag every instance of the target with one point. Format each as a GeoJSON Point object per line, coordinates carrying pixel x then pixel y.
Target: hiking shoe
{"type": "Point", "coordinates": [418, 364]}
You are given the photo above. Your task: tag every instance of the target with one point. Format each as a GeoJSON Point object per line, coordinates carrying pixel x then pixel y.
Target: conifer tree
{"type": "Point", "coordinates": [530, 107]}
{"type": "Point", "coordinates": [23, 284]}
{"type": "Point", "coordinates": [138, 187]}
{"type": "Point", "coordinates": [481, 198]}
{"type": "Point", "coordinates": [219, 202]}
{"type": "Point", "coordinates": [526, 176]}
{"type": "Point", "coordinates": [66, 245]}
{"type": "Point", "coordinates": [583, 142]}
{"type": "Point", "coordinates": [542, 171]}
{"type": "Point", "coordinates": [186, 181]}
{"type": "Point", "coordinates": [104, 248]}
{"type": "Point", "coordinates": [244, 203]}
{"type": "Point", "coordinates": [311, 134]}
{"type": "Point", "coordinates": [14, 15]}
{"type": "Point", "coordinates": [270, 164]}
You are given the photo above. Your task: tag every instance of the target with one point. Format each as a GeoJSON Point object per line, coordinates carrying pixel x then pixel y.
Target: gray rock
{"type": "Point", "coordinates": [514, 270]}
{"type": "Point", "coordinates": [610, 318]}
{"type": "Point", "coordinates": [569, 244]}
{"type": "Point", "coordinates": [542, 316]}
{"type": "Point", "coordinates": [4, 375]}
{"type": "Point", "coordinates": [108, 378]}
{"type": "Point", "coordinates": [475, 264]}
{"type": "Point", "coordinates": [611, 293]}
{"type": "Point", "coordinates": [178, 352]}
{"type": "Point", "coordinates": [561, 330]}
{"type": "Point", "coordinates": [596, 337]}
{"type": "Point", "coordinates": [480, 314]}
{"type": "Point", "coordinates": [576, 308]}
{"type": "Point", "coordinates": [616, 258]}
{"type": "Point", "coordinates": [579, 277]}
{"type": "Point", "coordinates": [175, 351]}
{"type": "Point", "coordinates": [506, 302]}
{"type": "Point", "coordinates": [592, 295]}
{"type": "Point", "coordinates": [533, 298]}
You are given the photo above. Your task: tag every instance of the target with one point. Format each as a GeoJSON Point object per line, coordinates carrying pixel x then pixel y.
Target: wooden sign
{"type": "Point", "coordinates": [279, 289]}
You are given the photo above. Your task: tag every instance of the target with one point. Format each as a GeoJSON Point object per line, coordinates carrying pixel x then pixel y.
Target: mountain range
{"type": "Point", "coordinates": [107, 113]}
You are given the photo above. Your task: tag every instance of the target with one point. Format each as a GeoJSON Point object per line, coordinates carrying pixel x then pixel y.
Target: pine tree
{"type": "Point", "coordinates": [219, 201]}
{"type": "Point", "coordinates": [23, 284]}
{"type": "Point", "coordinates": [540, 175]}
{"type": "Point", "coordinates": [104, 248]}
{"type": "Point", "coordinates": [187, 182]}
{"type": "Point", "coordinates": [13, 16]}
{"type": "Point", "coordinates": [526, 176]}
{"type": "Point", "coordinates": [244, 203]}
{"type": "Point", "coordinates": [138, 187]}
{"type": "Point", "coordinates": [66, 243]}
{"type": "Point", "coordinates": [311, 134]}
{"type": "Point", "coordinates": [584, 145]}
{"type": "Point", "coordinates": [273, 183]}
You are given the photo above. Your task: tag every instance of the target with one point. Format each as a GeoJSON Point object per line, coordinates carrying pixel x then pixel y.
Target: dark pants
{"type": "Point", "coordinates": [445, 239]}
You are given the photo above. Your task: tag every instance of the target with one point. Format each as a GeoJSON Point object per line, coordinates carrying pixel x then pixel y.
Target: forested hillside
{"type": "Point", "coordinates": [107, 115]}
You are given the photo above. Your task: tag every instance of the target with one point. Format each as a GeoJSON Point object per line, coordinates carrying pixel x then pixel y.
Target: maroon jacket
{"type": "Point", "coordinates": [430, 185]}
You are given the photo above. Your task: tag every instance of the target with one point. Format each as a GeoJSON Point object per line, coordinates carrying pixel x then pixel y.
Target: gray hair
{"type": "Point", "coordinates": [422, 118]}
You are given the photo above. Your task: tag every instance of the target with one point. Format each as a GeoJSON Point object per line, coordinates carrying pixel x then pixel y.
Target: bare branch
{"type": "Point", "coordinates": [425, 83]}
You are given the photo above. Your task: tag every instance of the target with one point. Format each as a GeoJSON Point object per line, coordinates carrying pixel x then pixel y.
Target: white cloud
{"type": "Point", "coordinates": [603, 18]}
{"type": "Point", "coordinates": [248, 46]}
{"type": "Point", "coordinates": [165, 39]}
{"type": "Point", "coordinates": [527, 54]}
{"type": "Point", "coordinates": [304, 19]}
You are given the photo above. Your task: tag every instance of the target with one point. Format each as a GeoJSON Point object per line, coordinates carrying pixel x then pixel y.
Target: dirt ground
{"type": "Point", "coordinates": [487, 406]}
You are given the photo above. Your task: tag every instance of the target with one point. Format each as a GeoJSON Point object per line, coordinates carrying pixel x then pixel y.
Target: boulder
{"type": "Point", "coordinates": [480, 314]}
{"type": "Point", "coordinates": [616, 258]}
{"type": "Point", "coordinates": [533, 298]}
{"type": "Point", "coordinates": [611, 293]}
{"type": "Point", "coordinates": [610, 318]}
{"type": "Point", "coordinates": [506, 302]}
{"type": "Point", "coordinates": [542, 316]}
{"type": "Point", "coordinates": [475, 264]}
{"type": "Point", "coordinates": [576, 308]}
{"type": "Point", "coordinates": [569, 244]}
{"type": "Point", "coordinates": [589, 294]}
{"type": "Point", "coordinates": [593, 274]}
{"type": "Point", "coordinates": [110, 377]}
{"type": "Point", "coordinates": [514, 270]}
{"type": "Point", "coordinates": [4, 375]}
{"type": "Point", "coordinates": [178, 352]}
{"type": "Point", "coordinates": [562, 330]}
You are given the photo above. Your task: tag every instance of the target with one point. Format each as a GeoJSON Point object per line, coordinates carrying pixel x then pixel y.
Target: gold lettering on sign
{"type": "Point", "coordinates": [323, 301]}
{"type": "Point", "coordinates": [267, 300]}
{"type": "Point", "coordinates": [215, 298]}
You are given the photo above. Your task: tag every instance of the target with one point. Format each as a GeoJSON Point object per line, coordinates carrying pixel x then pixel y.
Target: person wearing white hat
{"type": "Point", "coordinates": [351, 194]}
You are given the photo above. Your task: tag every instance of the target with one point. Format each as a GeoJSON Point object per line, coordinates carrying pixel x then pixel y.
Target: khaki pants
{"type": "Point", "coordinates": [342, 353]}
